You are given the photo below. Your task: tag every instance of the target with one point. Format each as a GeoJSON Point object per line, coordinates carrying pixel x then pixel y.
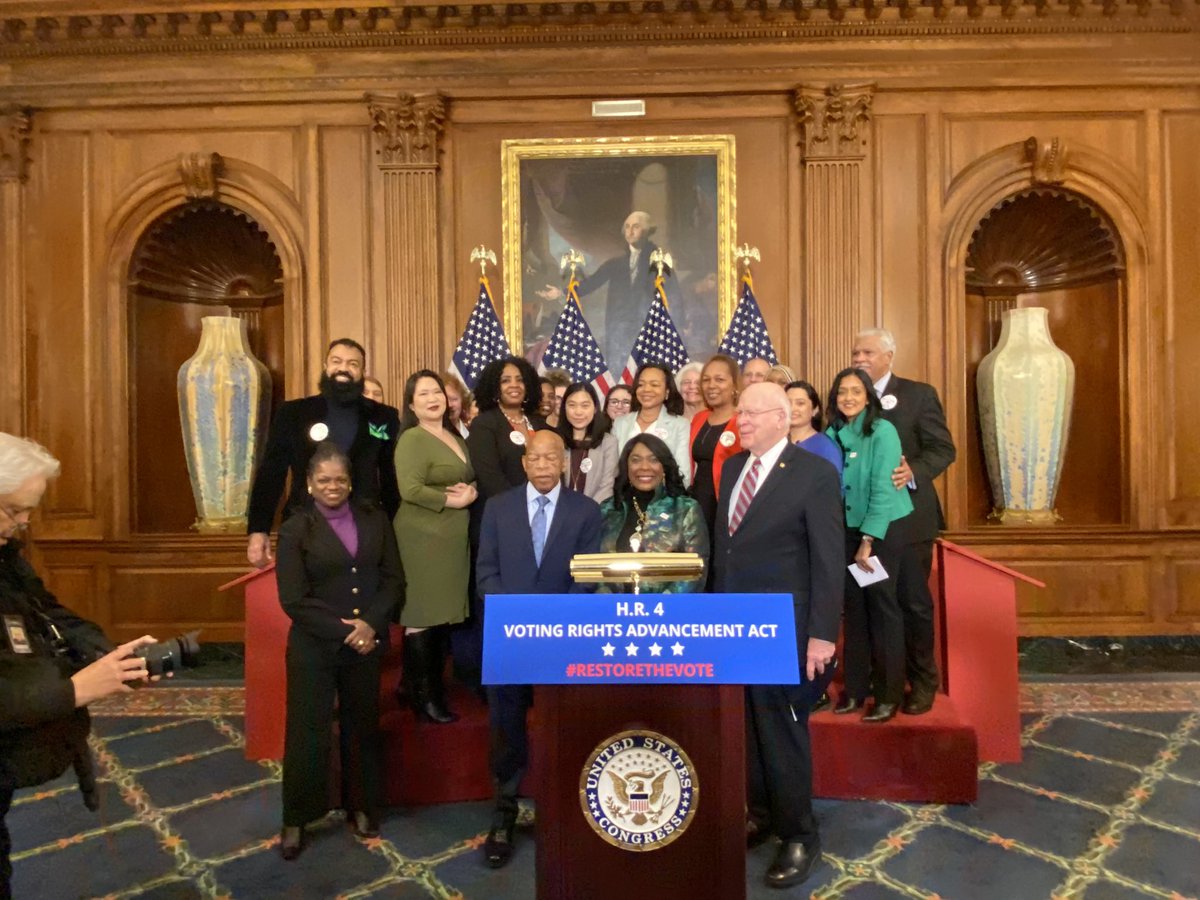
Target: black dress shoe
{"type": "Point", "coordinates": [291, 842]}
{"type": "Point", "coordinates": [757, 833]}
{"type": "Point", "coordinates": [883, 712]}
{"type": "Point", "coordinates": [498, 848]}
{"type": "Point", "coordinates": [847, 705]}
{"type": "Point", "coordinates": [917, 703]}
{"type": "Point", "coordinates": [823, 703]}
{"type": "Point", "coordinates": [364, 825]}
{"type": "Point", "coordinates": [792, 865]}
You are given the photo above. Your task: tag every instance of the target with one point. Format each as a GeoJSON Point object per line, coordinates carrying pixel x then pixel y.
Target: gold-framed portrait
{"type": "Point", "coordinates": [616, 200]}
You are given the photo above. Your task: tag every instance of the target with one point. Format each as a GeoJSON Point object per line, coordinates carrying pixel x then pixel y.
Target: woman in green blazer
{"type": "Point", "coordinates": [650, 511]}
{"type": "Point", "coordinates": [874, 632]}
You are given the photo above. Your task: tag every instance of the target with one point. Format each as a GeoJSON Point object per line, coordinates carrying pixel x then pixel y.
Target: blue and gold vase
{"type": "Point", "coordinates": [224, 404]}
{"type": "Point", "coordinates": [1025, 386]}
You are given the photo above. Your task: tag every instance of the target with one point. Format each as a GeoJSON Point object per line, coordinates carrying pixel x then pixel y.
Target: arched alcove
{"type": "Point", "coordinates": [201, 258]}
{"type": "Point", "coordinates": [1048, 246]}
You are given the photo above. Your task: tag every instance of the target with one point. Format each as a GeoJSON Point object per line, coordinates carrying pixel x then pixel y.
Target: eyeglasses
{"type": "Point", "coordinates": [619, 402]}
{"type": "Point", "coordinates": [17, 524]}
{"type": "Point", "coordinates": [752, 413]}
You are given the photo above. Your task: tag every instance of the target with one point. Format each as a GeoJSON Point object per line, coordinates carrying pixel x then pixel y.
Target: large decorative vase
{"type": "Point", "coordinates": [1026, 386]}
{"type": "Point", "coordinates": [224, 402]}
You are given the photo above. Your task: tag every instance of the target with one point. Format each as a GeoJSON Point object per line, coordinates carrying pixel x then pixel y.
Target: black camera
{"type": "Point", "coordinates": [170, 656]}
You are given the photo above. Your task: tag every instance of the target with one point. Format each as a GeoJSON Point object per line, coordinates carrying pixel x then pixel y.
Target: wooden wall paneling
{"type": "Point", "coordinates": [1185, 578]}
{"type": "Point", "coordinates": [900, 225]}
{"type": "Point", "coordinates": [81, 588]}
{"type": "Point", "coordinates": [838, 216]}
{"type": "Point", "coordinates": [344, 172]}
{"type": "Point", "coordinates": [62, 349]}
{"type": "Point", "coordinates": [165, 598]}
{"type": "Point", "coordinates": [1179, 420]}
{"type": "Point", "coordinates": [408, 131]}
{"type": "Point", "coordinates": [16, 124]}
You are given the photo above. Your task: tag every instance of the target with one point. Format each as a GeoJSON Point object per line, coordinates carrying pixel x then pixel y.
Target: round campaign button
{"type": "Point", "coordinates": [727, 438]}
{"type": "Point", "coordinates": [585, 465]}
{"type": "Point", "coordinates": [319, 432]}
{"type": "Point", "coordinates": [638, 790]}
{"type": "Point", "coordinates": [888, 401]}
{"type": "Point", "coordinates": [517, 437]}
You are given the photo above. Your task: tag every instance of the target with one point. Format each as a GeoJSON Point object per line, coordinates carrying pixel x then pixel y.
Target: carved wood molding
{"type": "Point", "coordinates": [322, 25]}
{"type": "Point", "coordinates": [834, 119]}
{"type": "Point", "coordinates": [408, 128]}
{"type": "Point", "coordinates": [1047, 160]}
{"type": "Point", "coordinates": [200, 173]}
{"type": "Point", "coordinates": [15, 126]}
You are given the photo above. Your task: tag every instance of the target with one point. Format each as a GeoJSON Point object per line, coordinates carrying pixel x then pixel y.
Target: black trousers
{"type": "Point", "coordinates": [6, 795]}
{"type": "Point", "coordinates": [779, 762]}
{"type": "Point", "coordinates": [874, 633]}
{"type": "Point", "coordinates": [916, 608]}
{"type": "Point", "coordinates": [507, 707]}
{"type": "Point", "coordinates": [316, 678]}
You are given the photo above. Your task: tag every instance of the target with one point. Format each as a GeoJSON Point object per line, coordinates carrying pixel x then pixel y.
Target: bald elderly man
{"type": "Point", "coordinates": [528, 536]}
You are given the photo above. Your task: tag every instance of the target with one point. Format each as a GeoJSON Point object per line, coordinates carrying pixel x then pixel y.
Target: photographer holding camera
{"type": "Point", "coordinates": [52, 662]}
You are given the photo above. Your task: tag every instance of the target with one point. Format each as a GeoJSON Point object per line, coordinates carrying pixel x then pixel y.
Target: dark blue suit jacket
{"type": "Point", "coordinates": [506, 564]}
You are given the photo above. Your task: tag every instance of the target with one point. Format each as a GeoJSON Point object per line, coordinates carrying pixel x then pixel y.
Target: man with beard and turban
{"type": "Point", "coordinates": [364, 430]}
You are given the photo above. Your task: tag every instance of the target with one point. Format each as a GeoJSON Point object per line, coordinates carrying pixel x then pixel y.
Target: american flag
{"type": "Point", "coordinates": [573, 349]}
{"type": "Point", "coordinates": [658, 341]}
{"type": "Point", "coordinates": [482, 340]}
{"type": "Point", "coordinates": [747, 336]}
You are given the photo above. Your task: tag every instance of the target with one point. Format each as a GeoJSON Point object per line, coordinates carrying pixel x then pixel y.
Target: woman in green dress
{"type": "Point", "coordinates": [433, 471]}
{"type": "Point", "coordinates": [650, 512]}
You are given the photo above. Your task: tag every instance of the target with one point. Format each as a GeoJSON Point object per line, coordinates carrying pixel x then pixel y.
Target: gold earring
{"type": "Point", "coordinates": [310, 489]}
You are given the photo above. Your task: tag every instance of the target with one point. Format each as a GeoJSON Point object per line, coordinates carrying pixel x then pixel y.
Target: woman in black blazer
{"type": "Point", "coordinates": [340, 581]}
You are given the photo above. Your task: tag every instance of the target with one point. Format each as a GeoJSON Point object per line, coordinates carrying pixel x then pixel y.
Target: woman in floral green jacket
{"type": "Point", "coordinates": [650, 511]}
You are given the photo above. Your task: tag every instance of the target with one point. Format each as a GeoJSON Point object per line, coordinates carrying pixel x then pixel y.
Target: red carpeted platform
{"type": "Point", "coordinates": [425, 763]}
{"type": "Point", "coordinates": [928, 759]}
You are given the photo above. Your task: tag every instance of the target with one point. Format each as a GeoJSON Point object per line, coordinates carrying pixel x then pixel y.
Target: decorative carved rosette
{"type": "Point", "coordinates": [15, 126]}
{"type": "Point", "coordinates": [408, 128]}
{"type": "Point", "coordinates": [834, 119]}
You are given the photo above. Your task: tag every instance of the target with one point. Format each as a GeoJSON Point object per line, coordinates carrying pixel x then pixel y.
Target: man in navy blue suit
{"type": "Point", "coordinates": [527, 539]}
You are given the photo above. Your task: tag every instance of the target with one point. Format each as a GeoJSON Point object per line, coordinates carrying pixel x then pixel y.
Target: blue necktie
{"type": "Point", "coordinates": [538, 526]}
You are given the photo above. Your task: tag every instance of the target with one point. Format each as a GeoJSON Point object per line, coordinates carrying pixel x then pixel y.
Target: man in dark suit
{"type": "Point", "coordinates": [364, 430]}
{"type": "Point", "coordinates": [915, 411]}
{"type": "Point", "coordinates": [779, 529]}
{"type": "Point", "coordinates": [528, 537]}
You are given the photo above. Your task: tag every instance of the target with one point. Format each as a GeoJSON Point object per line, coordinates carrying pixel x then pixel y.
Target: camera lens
{"type": "Point", "coordinates": [170, 656]}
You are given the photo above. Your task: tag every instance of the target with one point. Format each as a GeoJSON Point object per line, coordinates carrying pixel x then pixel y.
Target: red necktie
{"type": "Point", "coordinates": [745, 495]}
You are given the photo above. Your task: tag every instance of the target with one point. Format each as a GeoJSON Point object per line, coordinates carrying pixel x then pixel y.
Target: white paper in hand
{"type": "Point", "coordinates": [865, 578]}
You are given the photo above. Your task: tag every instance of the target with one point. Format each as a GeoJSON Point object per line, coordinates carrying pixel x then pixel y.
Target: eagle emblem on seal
{"type": "Point", "coordinates": [645, 803]}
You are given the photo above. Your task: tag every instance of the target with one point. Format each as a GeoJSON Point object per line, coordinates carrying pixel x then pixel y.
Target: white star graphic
{"type": "Point", "coordinates": [631, 649]}
{"type": "Point", "coordinates": [655, 649]}
{"type": "Point", "coordinates": [677, 648]}
{"type": "Point", "coordinates": [608, 649]}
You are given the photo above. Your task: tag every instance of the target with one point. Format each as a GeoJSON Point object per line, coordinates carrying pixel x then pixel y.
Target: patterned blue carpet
{"type": "Point", "coordinates": [1105, 805]}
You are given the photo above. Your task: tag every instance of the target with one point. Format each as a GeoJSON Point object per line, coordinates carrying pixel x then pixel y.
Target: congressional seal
{"type": "Point", "coordinates": [638, 790]}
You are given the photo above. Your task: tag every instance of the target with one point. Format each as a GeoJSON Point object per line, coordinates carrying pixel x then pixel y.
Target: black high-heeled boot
{"type": "Point", "coordinates": [436, 674]}
{"type": "Point", "coordinates": [419, 654]}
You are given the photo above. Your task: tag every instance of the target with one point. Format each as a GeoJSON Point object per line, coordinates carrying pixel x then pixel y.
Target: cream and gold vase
{"type": "Point", "coordinates": [224, 402]}
{"type": "Point", "coordinates": [1025, 386]}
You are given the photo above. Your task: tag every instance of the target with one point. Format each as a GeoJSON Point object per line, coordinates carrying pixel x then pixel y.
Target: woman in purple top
{"type": "Point", "coordinates": [805, 430]}
{"type": "Point", "coordinates": [339, 578]}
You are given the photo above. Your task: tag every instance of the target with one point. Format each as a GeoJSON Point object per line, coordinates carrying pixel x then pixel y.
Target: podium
{"type": "Point", "coordinates": [639, 732]}
{"type": "Point", "coordinates": [978, 641]}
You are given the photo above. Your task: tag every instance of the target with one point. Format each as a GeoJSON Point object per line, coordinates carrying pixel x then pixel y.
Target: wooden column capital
{"type": "Point", "coordinates": [407, 128]}
{"type": "Point", "coordinates": [15, 125]}
{"type": "Point", "coordinates": [834, 119]}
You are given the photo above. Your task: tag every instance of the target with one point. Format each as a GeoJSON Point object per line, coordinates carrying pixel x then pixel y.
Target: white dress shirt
{"type": "Point", "coordinates": [768, 461]}
{"type": "Point", "coordinates": [881, 385]}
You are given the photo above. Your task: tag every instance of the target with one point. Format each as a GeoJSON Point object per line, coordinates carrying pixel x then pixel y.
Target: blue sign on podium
{"type": "Point", "coordinates": [639, 639]}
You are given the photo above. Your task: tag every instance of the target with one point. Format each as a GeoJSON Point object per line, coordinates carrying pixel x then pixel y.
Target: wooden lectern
{"type": "Point", "coordinates": [570, 721]}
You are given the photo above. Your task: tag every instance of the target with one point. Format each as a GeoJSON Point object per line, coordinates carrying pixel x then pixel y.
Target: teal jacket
{"type": "Point", "coordinates": [674, 525]}
{"type": "Point", "coordinates": [871, 500]}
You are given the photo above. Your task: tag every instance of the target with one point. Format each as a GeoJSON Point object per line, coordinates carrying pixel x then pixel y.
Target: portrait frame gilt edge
{"type": "Point", "coordinates": [514, 151]}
